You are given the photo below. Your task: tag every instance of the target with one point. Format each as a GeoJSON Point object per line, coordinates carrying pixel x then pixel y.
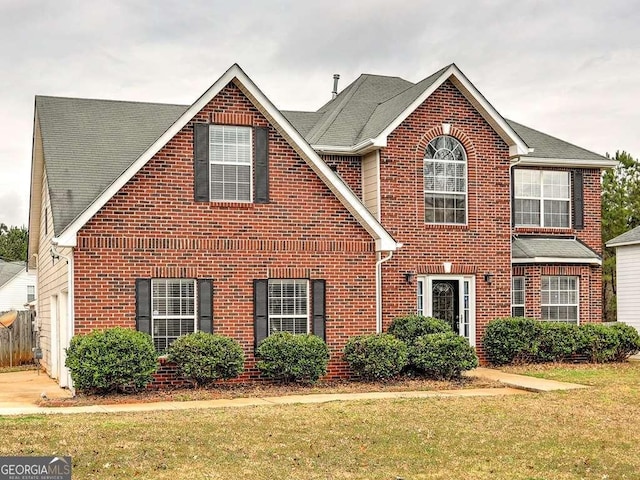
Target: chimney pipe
{"type": "Point", "coordinates": [334, 93]}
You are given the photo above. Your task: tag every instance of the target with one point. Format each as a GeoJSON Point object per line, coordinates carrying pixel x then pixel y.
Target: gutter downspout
{"type": "Point", "coordinates": [379, 263]}
{"type": "Point", "coordinates": [70, 311]}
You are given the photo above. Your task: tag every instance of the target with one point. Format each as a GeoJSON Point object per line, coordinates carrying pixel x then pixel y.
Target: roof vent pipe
{"type": "Point", "coordinates": [334, 93]}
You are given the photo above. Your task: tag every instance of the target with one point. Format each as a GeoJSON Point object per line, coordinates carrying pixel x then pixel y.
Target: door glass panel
{"type": "Point", "coordinates": [445, 302]}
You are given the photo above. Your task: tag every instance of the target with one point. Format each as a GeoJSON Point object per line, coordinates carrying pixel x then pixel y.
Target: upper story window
{"type": "Point", "coordinates": [445, 181]}
{"type": "Point", "coordinates": [230, 158]}
{"type": "Point", "coordinates": [31, 293]}
{"type": "Point", "coordinates": [542, 198]}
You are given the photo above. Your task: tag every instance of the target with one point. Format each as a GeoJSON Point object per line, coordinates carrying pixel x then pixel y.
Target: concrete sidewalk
{"type": "Point", "coordinates": [25, 402]}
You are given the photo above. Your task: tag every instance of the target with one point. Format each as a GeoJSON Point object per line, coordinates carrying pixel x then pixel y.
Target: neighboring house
{"type": "Point", "coordinates": [627, 248]}
{"type": "Point", "coordinates": [232, 216]}
{"type": "Point", "coordinates": [17, 286]}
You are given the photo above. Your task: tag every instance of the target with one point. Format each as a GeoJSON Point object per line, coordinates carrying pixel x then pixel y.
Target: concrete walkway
{"type": "Point", "coordinates": [32, 385]}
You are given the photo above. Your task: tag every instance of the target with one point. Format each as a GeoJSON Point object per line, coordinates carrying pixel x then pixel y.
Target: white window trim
{"type": "Point", "coordinates": [524, 294]}
{"type": "Point", "coordinates": [541, 199]}
{"type": "Point", "coordinates": [243, 164]}
{"type": "Point", "coordinates": [426, 284]}
{"type": "Point", "coordinates": [577, 304]}
{"type": "Point", "coordinates": [465, 194]}
{"type": "Point", "coordinates": [308, 299]}
{"type": "Point", "coordinates": [155, 316]}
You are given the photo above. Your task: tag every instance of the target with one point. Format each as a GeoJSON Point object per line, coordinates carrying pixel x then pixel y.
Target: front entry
{"type": "Point", "coordinates": [450, 298]}
{"type": "Point", "coordinates": [445, 302]}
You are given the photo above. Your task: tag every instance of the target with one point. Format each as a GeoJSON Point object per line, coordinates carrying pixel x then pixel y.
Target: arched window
{"type": "Point", "coordinates": [445, 181]}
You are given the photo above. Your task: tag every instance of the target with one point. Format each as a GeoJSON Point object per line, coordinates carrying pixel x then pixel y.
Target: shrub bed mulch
{"type": "Point", "coordinates": [269, 389]}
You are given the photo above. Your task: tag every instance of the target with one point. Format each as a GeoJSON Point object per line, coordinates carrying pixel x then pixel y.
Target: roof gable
{"type": "Point", "coordinates": [9, 270]}
{"type": "Point", "coordinates": [137, 159]}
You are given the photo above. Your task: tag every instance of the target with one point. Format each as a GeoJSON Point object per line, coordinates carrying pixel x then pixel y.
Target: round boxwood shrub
{"type": "Point", "coordinates": [409, 327]}
{"type": "Point", "coordinates": [376, 356]}
{"type": "Point", "coordinates": [442, 355]}
{"type": "Point", "coordinates": [629, 341]}
{"type": "Point", "coordinates": [112, 360]}
{"type": "Point", "coordinates": [204, 357]}
{"type": "Point", "coordinates": [293, 358]}
{"type": "Point", "coordinates": [600, 343]}
{"type": "Point", "coordinates": [556, 341]}
{"type": "Point", "coordinates": [511, 340]}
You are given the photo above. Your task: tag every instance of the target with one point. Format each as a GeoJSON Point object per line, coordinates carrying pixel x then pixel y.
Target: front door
{"type": "Point", "coordinates": [445, 298]}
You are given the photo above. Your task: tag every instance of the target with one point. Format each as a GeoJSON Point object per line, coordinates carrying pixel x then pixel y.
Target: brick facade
{"type": "Point", "coordinates": [153, 228]}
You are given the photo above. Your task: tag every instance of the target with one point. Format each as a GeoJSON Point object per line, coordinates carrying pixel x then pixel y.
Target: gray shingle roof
{"type": "Point", "coordinates": [546, 146]}
{"type": "Point", "coordinates": [89, 143]}
{"type": "Point", "coordinates": [8, 270]}
{"type": "Point", "coordinates": [524, 248]}
{"type": "Point", "coordinates": [627, 238]}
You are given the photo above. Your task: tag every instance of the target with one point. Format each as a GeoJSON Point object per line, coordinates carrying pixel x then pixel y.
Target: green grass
{"type": "Point", "coordinates": [583, 434]}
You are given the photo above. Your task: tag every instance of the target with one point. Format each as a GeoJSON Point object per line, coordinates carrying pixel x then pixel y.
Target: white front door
{"type": "Point", "coordinates": [450, 298]}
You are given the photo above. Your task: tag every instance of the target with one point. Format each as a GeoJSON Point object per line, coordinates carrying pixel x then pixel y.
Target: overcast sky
{"type": "Point", "coordinates": [568, 68]}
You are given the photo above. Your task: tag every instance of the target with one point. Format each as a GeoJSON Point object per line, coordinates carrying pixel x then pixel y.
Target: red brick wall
{"type": "Point", "coordinates": [481, 246]}
{"type": "Point", "coordinates": [349, 168]}
{"type": "Point", "coordinates": [153, 228]}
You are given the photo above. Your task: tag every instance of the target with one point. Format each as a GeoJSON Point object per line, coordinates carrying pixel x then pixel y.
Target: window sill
{"type": "Point", "coordinates": [544, 230]}
{"type": "Point", "coordinates": [234, 205]}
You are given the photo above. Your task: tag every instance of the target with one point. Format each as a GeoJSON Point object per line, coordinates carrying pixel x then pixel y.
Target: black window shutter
{"type": "Point", "coordinates": [260, 310]}
{"type": "Point", "coordinates": [201, 161]}
{"type": "Point", "coordinates": [319, 317]}
{"type": "Point", "coordinates": [205, 305]}
{"type": "Point", "coordinates": [262, 165]}
{"type": "Point", "coordinates": [578, 200]}
{"type": "Point", "coordinates": [143, 305]}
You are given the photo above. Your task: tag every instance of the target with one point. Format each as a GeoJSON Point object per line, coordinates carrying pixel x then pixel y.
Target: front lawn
{"type": "Point", "coordinates": [583, 434]}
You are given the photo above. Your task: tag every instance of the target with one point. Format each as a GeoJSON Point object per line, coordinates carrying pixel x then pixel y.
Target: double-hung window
{"type": "Point", "coordinates": [445, 181]}
{"type": "Point", "coordinates": [288, 306]}
{"type": "Point", "coordinates": [542, 198]}
{"type": "Point", "coordinates": [517, 296]}
{"type": "Point", "coordinates": [559, 298]}
{"type": "Point", "coordinates": [230, 158]}
{"type": "Point", "coordinates": [31, 293]}
{"type": "Point", "coordinates": [173, 310]}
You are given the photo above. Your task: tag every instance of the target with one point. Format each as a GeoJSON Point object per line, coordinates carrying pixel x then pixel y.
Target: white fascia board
{"type": "Point", "coordinates": [564, 162]}
{"type": "Point", "coordinates": [362, 148]}
{"type": "Point", "coordinates": [590, 261]}
{"type": "Point", "coordinates": [517, 146]}
{"type": "Point", "coordinates": [384, 241]}
{"type": "Point", "coordinates": [236, 74]}
{"type": "Point", "coordinates": [623, 243]}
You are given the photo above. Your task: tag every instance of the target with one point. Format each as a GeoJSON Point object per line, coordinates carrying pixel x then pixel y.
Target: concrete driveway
{"type": "Point", "coordinates": [18, 389]}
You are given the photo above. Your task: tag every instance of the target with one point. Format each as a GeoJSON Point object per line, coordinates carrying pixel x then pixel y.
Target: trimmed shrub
{"type": "Point", "coordinates": [557, 341]}
{"type": "Point", "coordinates": [629, 341]}
{"type": "Point", "coordinates": [409, 327]}
{"type": "Point", "coordinates": [293, 358]}
{"type": "Point", "coordinates": [204, 357]}
{"type": "Point", "coordinates": [113, 360]}
{"type": "Point", "coordinates": [511, 340]}
{"type": "Point", "coordinates": [376, 356]}
{"type": "Point", "coordinates": [442, 355]}
{"type": "Point", "coordinates": [599, 342]}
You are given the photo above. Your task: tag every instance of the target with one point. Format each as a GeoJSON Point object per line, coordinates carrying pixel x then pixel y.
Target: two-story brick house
{"type": "Point", "coordinates": [232, 216]}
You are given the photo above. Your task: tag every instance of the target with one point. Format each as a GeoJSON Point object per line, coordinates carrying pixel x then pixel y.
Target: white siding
{"type": "Point", "coordinates": [52, 280]}
{"type": "Point", "coordinates": [628, 284]}
{"type": "Point", "coordinates": [371, 183]}
{"type": "Point", "coordinates": [13, 294]}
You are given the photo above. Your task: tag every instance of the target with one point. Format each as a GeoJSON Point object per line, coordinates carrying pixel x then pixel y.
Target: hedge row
{"type": "Point", "coordinates": [524, 340]}
{"type": "Point", "coordinates": [413, 344]}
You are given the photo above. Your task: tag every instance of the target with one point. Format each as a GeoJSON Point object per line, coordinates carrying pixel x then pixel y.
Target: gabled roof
{"type": "Point", "coordinates": [632, 237]}
{"type": "Point", "coordinates": [551, 250]}
{"type": "Point", "coordinates": [361, 117]}
{"type": "Point", "coordinates": [88, 144]}
{"type": "Point", "coordinates": [100, 164]}
{"type": "Point", "coordinates": [551, 150]}
{"type": "Point", "coordinates": [8, 270]}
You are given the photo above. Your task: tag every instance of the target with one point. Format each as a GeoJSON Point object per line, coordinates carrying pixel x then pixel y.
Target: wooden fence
{"type": "Point", "coordinates": [16, 342]}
